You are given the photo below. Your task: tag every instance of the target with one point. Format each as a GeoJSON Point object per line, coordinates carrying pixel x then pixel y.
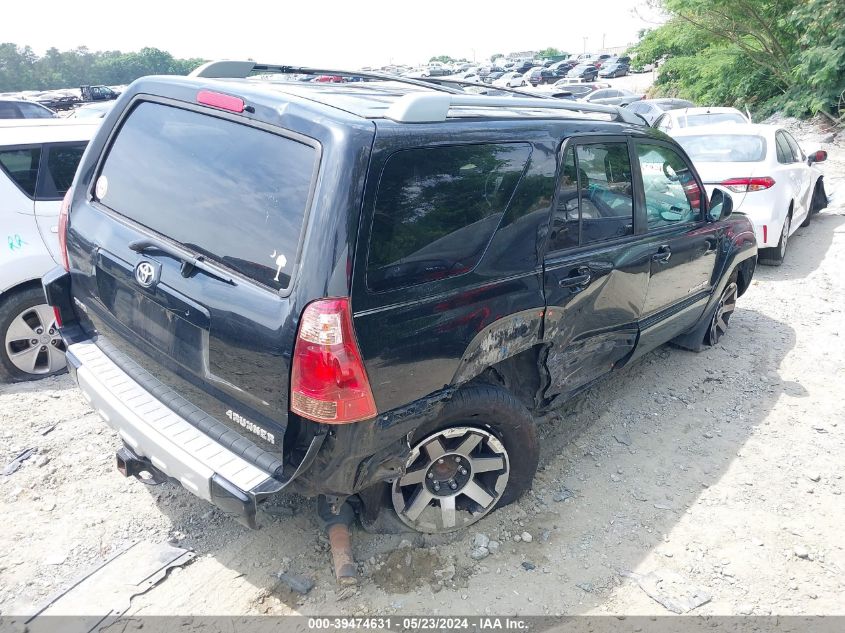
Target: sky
{"type": "Point", "coordinates": [327, 32]}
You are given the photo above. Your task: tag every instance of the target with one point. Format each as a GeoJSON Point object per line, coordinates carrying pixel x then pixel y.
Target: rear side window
{"type": "Point", "coordinates": [21, 165]}
{"type": "Point", "coordinates": [232, 192]}
{"type": "Point", "coordinates": [33, 111]}
{"type": "Point", "coordinates": [57, 176]}
{"type": "Point", "coordinates": [437, 209]}
{"type": "Point", "coordinates": [9, 110]}
{"type": "Point", "coordinates": [784, 151]}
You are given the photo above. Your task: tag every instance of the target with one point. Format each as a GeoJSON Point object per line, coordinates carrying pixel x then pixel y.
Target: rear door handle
{"type": "Point", "coordinates": [662, 255]}
{"type": "Point", "coordinates": [578, 278]}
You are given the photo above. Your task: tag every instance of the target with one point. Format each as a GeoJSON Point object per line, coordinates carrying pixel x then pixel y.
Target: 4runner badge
{"type": "Point", "coordinates": [145, 274]}
{"type": "Point", "coordinates": [251, 426]}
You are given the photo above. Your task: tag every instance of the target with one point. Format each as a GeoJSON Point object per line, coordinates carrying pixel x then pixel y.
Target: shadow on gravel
{"type": "Point", "coordinates": [806, 249]}
{"type": "Point", "coordinates": [637, 450]}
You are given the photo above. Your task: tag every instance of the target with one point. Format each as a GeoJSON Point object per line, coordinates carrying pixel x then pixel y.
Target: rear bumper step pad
{"type": "Point", "coordinates": [168, 441]}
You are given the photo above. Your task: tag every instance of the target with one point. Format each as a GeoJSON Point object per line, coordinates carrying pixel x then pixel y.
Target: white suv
{"type": "Point", "coordinates": [38, 160]}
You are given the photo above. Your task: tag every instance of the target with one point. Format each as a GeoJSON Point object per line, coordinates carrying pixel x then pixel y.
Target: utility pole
{"type": "Point", "coordinates": [603, 35]}
{"type": "Point", "coordinates": [585, 44]}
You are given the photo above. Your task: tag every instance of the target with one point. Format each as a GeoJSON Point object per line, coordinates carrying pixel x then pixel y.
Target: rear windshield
{"type": "Point", "coordinates": [229, 191]}
{"type": "Point", "coordinates": [724, 148]}
{"type": "Point", "coordinates": [709, 119]}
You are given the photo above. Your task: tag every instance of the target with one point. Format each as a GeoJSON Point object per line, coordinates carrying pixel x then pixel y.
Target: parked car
{"type": "Point", "coordinates": [23, 109]}
{"type": "Point", "coordinates": [564, 66]}
{"type": "Point", "coordinates": [402, 365]}
{"type": "Point", "coordinates": [617, 69]}
{"type": "Point", "coordinates": [575, 88]}
{"type": "Point", "coordinates": [691, 117]}
{"type": "Point", "coordinates": [612, 96]}
{"type": "Point", "coordinates": [38, 159]}
{"type": "Point", "coordinates": [511, 80]}
{"type": "Point", "coordinates": [770, 178]}
{"type": "Point", "coordinates": [602, 59]}
{"type": "Point", "coordinates": [92, 110]}
{"type": "Point", "coordinates": [587, 72]}
{"type": "Point", "coordinates": [650, 109]}
{"type": "Point", "coordinates": [540, 75]}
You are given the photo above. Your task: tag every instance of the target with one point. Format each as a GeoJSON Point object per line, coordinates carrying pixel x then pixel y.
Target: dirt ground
{"type": "Point", "coordinates": [718, 473]}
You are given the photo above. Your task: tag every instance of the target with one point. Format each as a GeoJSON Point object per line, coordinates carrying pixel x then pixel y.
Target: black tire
{"type": "Point", "coordinates": [495, 411]}
{"type": "Point", "coordinates": [774, 256]}
{"type": "Point", "coordinates": [15, 304]}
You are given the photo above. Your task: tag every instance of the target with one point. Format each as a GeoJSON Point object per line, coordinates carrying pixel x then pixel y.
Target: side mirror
{"type": "Point", "coordinates": [817, 157]}
{"type": "Point", "coordinates": [721, 205]}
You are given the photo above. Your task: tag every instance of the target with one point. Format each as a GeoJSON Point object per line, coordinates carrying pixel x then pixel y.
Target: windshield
{"type": "Point", "coordinates": [724, 148]}
{"type": "Point", "coordinates": [710, 118]}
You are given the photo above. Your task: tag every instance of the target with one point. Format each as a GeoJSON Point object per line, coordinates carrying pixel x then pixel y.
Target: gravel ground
{"type": "Point", "coordinates": [717, 475]}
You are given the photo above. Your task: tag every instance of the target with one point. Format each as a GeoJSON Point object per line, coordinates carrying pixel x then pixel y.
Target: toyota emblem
{"type": "Point", "coordinates": [145, 274]}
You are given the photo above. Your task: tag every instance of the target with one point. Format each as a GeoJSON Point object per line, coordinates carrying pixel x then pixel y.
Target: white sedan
{"type": "Point", "coordinates": [510, 80]}
{"type": "Point", "coordinates": [693, 117]}
{"type": "Point", "coordinates": [766, 172]}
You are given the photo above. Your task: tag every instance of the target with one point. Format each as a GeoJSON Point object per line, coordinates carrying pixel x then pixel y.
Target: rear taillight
{"type": "Point", "coordinates": [64, 212]}
{"type": "Point", "coordinates": [58, 314]}
{"type": "Point", "coordinates": [743, 185]}
{"type": "Point", "coordinates": [328, 381]}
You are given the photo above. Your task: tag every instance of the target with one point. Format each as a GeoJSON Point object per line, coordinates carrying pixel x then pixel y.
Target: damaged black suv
{"type": "Point", "coordinates": [368, 291]}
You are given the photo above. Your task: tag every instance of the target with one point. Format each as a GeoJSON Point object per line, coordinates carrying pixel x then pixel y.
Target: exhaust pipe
{"type": "Point", "coordinates": [340, 539]}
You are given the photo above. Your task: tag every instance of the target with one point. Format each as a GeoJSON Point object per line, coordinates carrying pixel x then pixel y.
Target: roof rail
{"type": "Point", "coordinates": [422, 107]}
{"type": "Point", "coordinates": [449, 81]}
{"type": "Point", "coordinates": [431, 108]}
{"type": "Point", "coordinates": [235, 69]}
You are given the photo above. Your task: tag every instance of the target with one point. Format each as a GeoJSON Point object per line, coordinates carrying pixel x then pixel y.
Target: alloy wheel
{"type": "Point", "coordinates": [33, 342]}
{"type": "Point", "coordinates": [722, 315]}
{"type": "Point", "coordinates": [453, 478]}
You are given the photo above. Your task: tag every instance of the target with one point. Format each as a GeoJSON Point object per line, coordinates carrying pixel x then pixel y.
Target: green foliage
{"type": "Point", "coordinates": [768, 55]}
{"type": "Point", "coordinates": [443, 59]}
{"type": "Point", "coordinates": [22, 69]}
{"type": "Point", "coordinates": [551, 51]}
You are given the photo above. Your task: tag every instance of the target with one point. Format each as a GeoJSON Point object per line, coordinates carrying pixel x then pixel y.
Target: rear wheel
{"type": "Point", "coordinates": [774, 256]}
{"type": "Point", "coordinates": [32, 347]}
{"type": "Point", "coordinates": [481, 454]}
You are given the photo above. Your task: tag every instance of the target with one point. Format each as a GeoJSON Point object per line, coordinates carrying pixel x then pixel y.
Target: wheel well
{"type": "Point", "coordinates": [21, 287]}
{"type": "Point", "coordinates": [519, 374]}
{"type": "Point", "coordinates": [744, 273]}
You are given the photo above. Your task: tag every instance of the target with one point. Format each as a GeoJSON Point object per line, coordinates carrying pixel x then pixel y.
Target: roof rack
{"type": "Point", "coordinates": [431, 108]}
{"type": "Point", "coordinates": [449, 81]}
{"type": "Point", "coordinates": [418, 107]}
{"type": "Point", "coordinates": [235, 69]}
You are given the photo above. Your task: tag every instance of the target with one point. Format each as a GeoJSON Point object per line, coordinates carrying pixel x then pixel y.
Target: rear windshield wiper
{"type": "Point", "coordinates": [189, 264]}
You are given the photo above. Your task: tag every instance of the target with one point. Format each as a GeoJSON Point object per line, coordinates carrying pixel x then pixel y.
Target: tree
{"type": "Point", "coordinates": [549, 52]}
{"type": "Point", "coordinates": [443, 59]}
{"type": "Point", "coordinates": [21, 69]}
{"type": "Point", "coordinates": [765, 54]}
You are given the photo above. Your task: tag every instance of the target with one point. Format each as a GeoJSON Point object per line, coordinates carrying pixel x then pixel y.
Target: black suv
{"type": "Point", "coordinates": [370, 294]}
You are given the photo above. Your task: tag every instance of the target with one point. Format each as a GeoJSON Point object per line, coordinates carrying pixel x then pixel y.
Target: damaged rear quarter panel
{"type": "Point", "coordinates": [499, 341]}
